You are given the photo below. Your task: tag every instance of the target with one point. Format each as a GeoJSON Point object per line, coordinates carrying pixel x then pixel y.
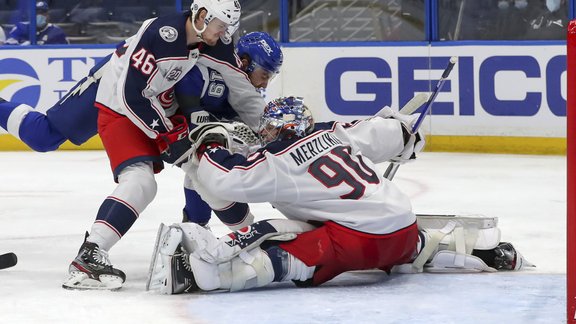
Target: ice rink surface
{"type": "Point", "coordinates": [49, 200]}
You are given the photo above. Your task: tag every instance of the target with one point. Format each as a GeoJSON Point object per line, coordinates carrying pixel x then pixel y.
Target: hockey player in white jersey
{"type": "Point", "coordinates": [341, 213]}
{"type": "Point", "coordinates": [137, 132]}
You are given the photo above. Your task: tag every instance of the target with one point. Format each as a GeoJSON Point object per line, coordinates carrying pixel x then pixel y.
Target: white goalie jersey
{"type": "Point", "coordinates": [312, 178]}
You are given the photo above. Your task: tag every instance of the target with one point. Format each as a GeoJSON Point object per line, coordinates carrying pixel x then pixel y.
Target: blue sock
{"type": "Point", "coordinates": [196, 210]}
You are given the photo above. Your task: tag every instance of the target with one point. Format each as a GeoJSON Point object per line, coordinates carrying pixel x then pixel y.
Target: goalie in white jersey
{"type": "Point", "coordinates": [342, 215]}
{"type": "Point", "coordinates": [323, 175]}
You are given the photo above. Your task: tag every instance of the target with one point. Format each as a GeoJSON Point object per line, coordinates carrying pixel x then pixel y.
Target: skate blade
{"type": "Point", "coordinates": [162, 229]}
{"type": "Point", "coordinates": [80, 281]}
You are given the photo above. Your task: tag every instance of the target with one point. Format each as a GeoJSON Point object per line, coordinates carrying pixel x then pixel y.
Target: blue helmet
{"type": "Point", "coordinates": [285, 118]}
{"type": "Point", "coordinates": [263, 51]}
{"type": "Point", "coordinates": [42, 6]}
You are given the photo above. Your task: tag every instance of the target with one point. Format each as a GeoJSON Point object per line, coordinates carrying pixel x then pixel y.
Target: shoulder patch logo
{"type": "Point", "coordinates": [174, 74]}
{"type": "Point", "coordinates": [168, 33]}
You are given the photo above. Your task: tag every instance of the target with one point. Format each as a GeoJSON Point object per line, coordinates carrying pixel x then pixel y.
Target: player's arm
{"type": "Point", "coordinates": [243, 97]}
{"type": "Point", "coordinates": [188, 92]}
{"type": "Point", "coordinates": [233, 178]}
{"type": "Point", "coordinates": [230, 177]}
{"type": "Point", "coordinates": [378, 139]}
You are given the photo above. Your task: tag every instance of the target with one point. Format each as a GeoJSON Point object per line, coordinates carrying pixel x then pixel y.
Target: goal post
{"type": "Point", "coordinates": [570, 173]}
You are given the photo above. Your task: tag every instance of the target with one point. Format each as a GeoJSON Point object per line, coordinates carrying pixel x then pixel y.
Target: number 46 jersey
{"type": "Point", "coordinates": [329, 175]}
{"type": "Point", "coordinates": [145, 66]}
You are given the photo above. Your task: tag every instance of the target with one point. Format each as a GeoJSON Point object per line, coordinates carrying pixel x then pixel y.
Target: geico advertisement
{"type": "Point", "coordinates": [40, 77]}
{"type": "Point", "coordinates": [492, 90]}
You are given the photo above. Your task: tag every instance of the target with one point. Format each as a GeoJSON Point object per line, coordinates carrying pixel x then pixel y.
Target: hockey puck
{"type": "Point", "coordinates": [8, 260]}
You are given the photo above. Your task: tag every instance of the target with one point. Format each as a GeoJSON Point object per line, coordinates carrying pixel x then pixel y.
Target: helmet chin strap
{"type": "Point", "coordinates": [198, 31]}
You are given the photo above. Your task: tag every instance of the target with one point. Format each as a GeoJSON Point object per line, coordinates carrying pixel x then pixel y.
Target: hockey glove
{"type": "Point", "coordinates": [413, 142]}
{"type": "Point", "coordinates": [175, 142]}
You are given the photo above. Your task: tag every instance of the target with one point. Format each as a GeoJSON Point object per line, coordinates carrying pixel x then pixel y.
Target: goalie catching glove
{"type": "Point", "coordinates": [174, 143]}
{"type": "Point", "coordinates": [413, 142]}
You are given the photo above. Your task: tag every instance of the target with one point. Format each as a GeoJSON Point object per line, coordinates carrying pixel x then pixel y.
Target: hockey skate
{"type": "Point", "coordinates": [180, 277]}
{"type": "Point", "coordinates": [91, 270]}
{"type": "Point", "coordinates": [503, 257]}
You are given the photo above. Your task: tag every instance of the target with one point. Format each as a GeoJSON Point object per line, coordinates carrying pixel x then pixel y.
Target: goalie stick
{"type": "Point", "coordinates": [414, 103]}
{"type": "Point", "coordinates": [393, 167]}
{"type": "Point", "coordinates": [8, 260]}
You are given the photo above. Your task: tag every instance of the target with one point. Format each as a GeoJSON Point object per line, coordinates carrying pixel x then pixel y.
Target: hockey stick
{"type": "Point", "coordinates": [393, 167]}
{"type": "Point", "coordinates": [414, 103]}
{"type": "Point", "coordinates": [8, 260]}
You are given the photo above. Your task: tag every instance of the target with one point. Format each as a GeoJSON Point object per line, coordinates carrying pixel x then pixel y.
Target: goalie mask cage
{"type": "Point", "coordinates": [571, 176]}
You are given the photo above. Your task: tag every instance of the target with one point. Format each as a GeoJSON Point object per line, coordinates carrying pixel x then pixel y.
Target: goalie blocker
{"type": "Point", "coordinates": [189, 258]}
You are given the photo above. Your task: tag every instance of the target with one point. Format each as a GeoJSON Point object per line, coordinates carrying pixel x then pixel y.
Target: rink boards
{"type": "Point", "coordinates": [508, 98]}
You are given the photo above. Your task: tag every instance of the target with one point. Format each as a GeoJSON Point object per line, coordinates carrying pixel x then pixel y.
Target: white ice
{"type": "Point", "coordinates": [48, 201]}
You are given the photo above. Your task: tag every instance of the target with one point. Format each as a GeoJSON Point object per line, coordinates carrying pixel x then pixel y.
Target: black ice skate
{"type": "Point", "coordinates": [91, 269]}
{"type": "Point", "coordinates": [181, 278]}
{"type": "Point", "coordinates": [503, 257]}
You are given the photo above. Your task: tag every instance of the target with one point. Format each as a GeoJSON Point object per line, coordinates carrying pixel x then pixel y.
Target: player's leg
{"type": "Point", "coordinates": [243, 259]}
{"type": "Point", "coordinates": [232, 214]}
{"type": "Point", "coordinates": [338, 249]}
{"type": "Point", "coordinates": [195, 209]}
{"type": "Point", "coordinates": [74, 115]}
{"type": "Point", "coordinates": [463, 244]}
{"type": "Point", "coordinates": [30, 126]}
{"type": "Point", "coordinates": [134, 160]}
{"type": "Point", "coordinates": [72, 118]}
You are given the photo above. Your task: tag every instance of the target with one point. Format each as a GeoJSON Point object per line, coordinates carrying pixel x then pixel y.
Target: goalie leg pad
{"type": "Point", "coordinates": [207, 247]}
{"type": "Point", "coordinates": [450, 261]}
{"type": "Point", "coordinates": [439, 221]}
{"type": "Point", "coordinates": [249, 269]}
{"type": "Point", "coordinates": [453, 237]}
{"type": "Point", "coordinates": [167, 241]}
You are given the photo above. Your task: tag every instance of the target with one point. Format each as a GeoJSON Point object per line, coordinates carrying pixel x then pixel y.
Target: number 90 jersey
{"type": "Point", "coordinates": [329, 175]}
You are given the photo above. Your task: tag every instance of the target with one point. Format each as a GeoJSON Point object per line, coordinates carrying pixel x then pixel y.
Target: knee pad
{"type": "Point", "coordinates": [136, 185]}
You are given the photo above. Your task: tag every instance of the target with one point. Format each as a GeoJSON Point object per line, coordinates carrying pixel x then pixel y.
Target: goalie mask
{"type": "Point", "coordinates": [228, 11]}
{"type": "Point", "coordinates": [285, 118]}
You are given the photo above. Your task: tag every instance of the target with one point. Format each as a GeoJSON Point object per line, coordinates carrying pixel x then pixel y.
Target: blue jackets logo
{"type": "Point", "coordinates": [19, 82]}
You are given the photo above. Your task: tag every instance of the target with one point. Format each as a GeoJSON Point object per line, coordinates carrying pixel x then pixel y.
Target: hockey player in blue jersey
{"type": "Point", "coordinates": [204, 89]}
{"type": "Point", "coordinates": [46, 33]}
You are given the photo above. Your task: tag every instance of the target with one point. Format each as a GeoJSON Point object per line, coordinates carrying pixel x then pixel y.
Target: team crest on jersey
{"type": "Point", "coordinates": [174, 74]}
{"type": "Point", "coordinates": [168, 33]}
{"type": "Point", "coordinates": [166, 98]}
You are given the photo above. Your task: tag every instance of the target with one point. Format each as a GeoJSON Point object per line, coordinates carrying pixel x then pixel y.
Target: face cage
{"type": "Point", "coordinates": [268, 126]}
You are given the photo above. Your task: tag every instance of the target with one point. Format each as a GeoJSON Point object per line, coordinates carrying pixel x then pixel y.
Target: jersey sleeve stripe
{"type": "Point", "coordinates": [235, 68]}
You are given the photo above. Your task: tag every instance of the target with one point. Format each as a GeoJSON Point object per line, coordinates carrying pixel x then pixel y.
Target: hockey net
{"type": "Point", "coordinates": [571, 176]}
